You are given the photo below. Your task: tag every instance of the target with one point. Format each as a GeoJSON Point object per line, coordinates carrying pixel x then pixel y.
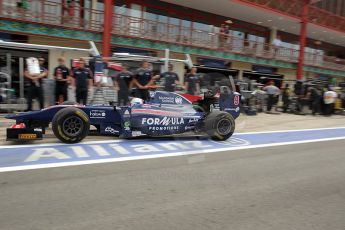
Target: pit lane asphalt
{"type": "Point", "coordinates": [288, 187]}
{"type": "Point", "coordinates": [49, 137]}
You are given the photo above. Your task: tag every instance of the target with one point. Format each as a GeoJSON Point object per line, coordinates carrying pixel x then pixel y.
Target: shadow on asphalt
{"type": "Point", "coordinates": [51, 139]}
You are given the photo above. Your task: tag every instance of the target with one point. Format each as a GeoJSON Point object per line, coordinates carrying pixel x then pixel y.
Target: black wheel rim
{"type": "Point", "coordinates": [224, 127]}
{"type": "Point", "coordinates": [73, 126]}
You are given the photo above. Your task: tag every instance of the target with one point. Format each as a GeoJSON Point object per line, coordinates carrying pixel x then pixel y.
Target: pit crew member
{"type": "Point", "coordinates": [123, 82]}
{"type": "Point", "coordinates": [35, 84]}
{"type": "Point", "coordinates": [82, 80]}
{"type": "Point", "coordinates": [192, 82]}
{"type": "Point", "coordinates": [170, 79]}
{"type": "Point", "coordinates": [143, 78]}
{"type": "Point", "coordinates": [62, 77]}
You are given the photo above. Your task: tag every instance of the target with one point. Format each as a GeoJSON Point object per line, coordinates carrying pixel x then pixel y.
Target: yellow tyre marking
{"type": "Point", "coordinates": [82, 116]}
{"type": "Point", "coordinates": [62, 134]}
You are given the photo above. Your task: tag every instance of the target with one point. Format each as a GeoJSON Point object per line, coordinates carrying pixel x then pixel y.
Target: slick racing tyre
{"type": "Point", "coordinates": [71, 125]}
{"type": "Point", "coordinates": [219, 125]}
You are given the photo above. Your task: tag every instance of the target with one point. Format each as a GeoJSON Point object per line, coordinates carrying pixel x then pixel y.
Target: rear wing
{"type": "Point", "coordinates": [230, 102]}
{"type": "Point", "coordinates": [133, 57]}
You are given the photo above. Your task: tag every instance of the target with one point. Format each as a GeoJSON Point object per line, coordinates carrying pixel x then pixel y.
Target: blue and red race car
{"type": "Point", "coordinates": [165, 113]}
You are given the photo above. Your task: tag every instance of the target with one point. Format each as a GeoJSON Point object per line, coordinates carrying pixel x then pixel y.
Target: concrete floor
{"type": "Point", "coordinates": [287, 187]}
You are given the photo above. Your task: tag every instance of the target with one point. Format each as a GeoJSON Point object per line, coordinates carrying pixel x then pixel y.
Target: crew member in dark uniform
{"type": "Point", "coordinates": [315, 97]}
{"type": "Point", "coordinates": [286, 97]}
{"type": "Point", "coordinates": [123, 82]}
{"type": "Point", "coordinates": [142, 79]}
{"type": "Point", "coordinates": [170, 79]}
{"type": "Point", "coordinates": [82, 80]}
{"type": "Point", "coordinates": [298, 91]}
{"type": "Point", "coordinates": [62, 76]}
{"type": "Point", "coordinates": [192, 82]}
{"type": "Point", "coordinates": [35, 85]}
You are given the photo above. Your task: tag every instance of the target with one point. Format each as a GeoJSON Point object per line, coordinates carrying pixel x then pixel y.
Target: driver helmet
{"type": "Point", "coordinates": [137, 101]}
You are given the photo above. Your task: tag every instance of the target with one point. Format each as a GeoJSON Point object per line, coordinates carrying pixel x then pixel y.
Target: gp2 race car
{"type": "Point", "coordinates": [165, 113]}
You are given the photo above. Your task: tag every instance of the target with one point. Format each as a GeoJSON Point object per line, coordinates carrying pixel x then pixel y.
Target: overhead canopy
{"type": "Point", "coordinates": [27, 46]}
{"type": "Point", "coordinates": [263, 74]}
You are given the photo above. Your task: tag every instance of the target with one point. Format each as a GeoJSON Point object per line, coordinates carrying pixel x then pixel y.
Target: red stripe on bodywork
{"type": "Point", "coordinates": [190, 97]}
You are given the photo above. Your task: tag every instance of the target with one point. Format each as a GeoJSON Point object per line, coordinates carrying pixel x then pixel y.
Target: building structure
{"type": "Point", "coordinates": [190, 26]}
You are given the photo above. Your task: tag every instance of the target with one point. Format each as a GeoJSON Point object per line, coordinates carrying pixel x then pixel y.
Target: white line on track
{"type": "Point", "coordinates": [292, 130]}
{"type": "Point", "coordinates": [87, 162]}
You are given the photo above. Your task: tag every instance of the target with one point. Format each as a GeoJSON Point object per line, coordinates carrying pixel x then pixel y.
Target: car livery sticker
{"type": "Point", "coordinates": [97, 113]}
{"type": "Point", "coordinates": [236, 100]}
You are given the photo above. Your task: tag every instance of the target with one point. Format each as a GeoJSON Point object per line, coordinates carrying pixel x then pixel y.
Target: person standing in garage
{"type": "Point", "coordinates": [62, 77]}
{"type": "Point", "coordinates": [286, 94]}
{"type": "Point", "coordinates": [315, 97]}
{"type": "Point", "coordinates": [123, 82]}
{"type": "Point", "coordinates": [272, 92]}
{"type": "Point", "coordinates": [143, 78]}
{"type": "Point", "coordinates": [170, 79]}
{"type": "Point", "coordinates": [192, 82]}
{"type": "Point", "coordinates": [35, 84]}
{"type": "Point", "coordinates": [329, 98]}
{"type": "Point", "coordinates": [82, 80]}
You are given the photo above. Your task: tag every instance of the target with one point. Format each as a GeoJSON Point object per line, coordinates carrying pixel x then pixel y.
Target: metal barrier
{"type": "Point", "coordinates": [58, 14]}
{"type": "Point", "coordinates": [293, 8]}
{"type": "Point", "coordinates": [53, 13]}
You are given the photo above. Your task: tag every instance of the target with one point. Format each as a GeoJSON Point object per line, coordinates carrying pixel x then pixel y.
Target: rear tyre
{"type": "Point", "coordinates": [71, 125]}
{"type": "Point", "coordinates": [219, 125]}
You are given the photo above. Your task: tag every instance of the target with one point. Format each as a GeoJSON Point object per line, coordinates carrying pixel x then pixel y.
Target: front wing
{"type": "Point", "coordinates": [24, 134]}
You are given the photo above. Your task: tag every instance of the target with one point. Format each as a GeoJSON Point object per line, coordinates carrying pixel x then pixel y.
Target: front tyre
{"type": "Point", "coordinates": [71, 125]}
{"type": "Point", "coordinates": [219, 125]}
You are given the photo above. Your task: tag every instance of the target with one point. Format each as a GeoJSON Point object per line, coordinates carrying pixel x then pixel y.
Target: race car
{"type": "Point", "coordinates": [164, 114]}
